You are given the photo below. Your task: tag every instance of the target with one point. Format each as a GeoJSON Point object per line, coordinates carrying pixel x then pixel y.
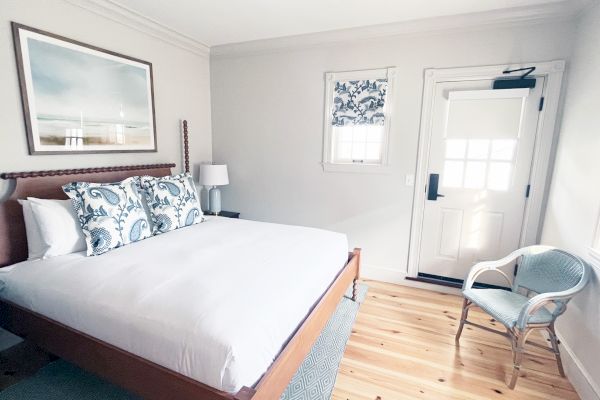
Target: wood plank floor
{"type": "Point", "coordinates": [402, 347]}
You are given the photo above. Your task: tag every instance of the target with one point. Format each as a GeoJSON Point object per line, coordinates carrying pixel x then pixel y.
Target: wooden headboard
{"type": "Point", "coordinates": [48, 185]}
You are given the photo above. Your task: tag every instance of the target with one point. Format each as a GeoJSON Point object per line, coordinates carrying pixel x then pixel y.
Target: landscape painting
{"type": "Point", "coordinates": [81, 99]}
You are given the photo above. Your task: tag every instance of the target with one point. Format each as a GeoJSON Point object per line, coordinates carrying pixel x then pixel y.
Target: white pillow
{"type": "Point", "coordinates": [35, 244]}
{"type": "Point", "coordinates": [59, 226]}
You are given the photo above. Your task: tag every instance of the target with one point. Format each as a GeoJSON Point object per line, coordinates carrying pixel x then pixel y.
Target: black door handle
{"type": "Point", "coordinates": [432, 188]}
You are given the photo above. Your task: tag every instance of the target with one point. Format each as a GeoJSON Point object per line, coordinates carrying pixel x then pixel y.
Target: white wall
{"type": "Point", "coordinates": [268, 126]}
{"type": "Point", "coordinates": [574, 201]}
{"type": "Point", "coordinates": [181, 86]}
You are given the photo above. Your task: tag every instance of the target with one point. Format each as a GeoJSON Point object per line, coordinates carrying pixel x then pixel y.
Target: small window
{"type": "Point", "coordinates": [357, 120]}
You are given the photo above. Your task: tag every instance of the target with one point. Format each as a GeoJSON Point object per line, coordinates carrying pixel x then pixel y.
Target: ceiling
{"type": "Point", "coordinates": [217, 22]}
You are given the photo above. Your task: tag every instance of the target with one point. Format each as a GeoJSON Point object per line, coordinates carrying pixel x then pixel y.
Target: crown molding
{"type": "Point", "coordinates": [112, 10]}
{"type": "Point", "coordinates": [519, 16]}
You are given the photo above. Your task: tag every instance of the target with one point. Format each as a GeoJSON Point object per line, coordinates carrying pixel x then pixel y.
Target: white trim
{"type": "Point", "coordinates": [112, 10]}
{"type": "Point", "coordinates": [517, 16]}
{"type": "Point", "coordinates": [595, 259]}
{"type": "Point", "coordinates": [595, 253]}
{"type": "Point", "coordinates": [331, 77]}
{"type": "Point", "coordinates": [579, 377]}
{"type": "Point", "coordinates": [398, 277]}
{"type": "Point", "coordinates": [552, 71]}
{"type": "Point", "coordinates": [356, 168]}
{"type": "Point", "coordinates": [594, 249]}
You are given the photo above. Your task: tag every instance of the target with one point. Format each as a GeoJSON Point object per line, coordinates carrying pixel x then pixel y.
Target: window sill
{"type": "Point", "coordinates": [356, 168]}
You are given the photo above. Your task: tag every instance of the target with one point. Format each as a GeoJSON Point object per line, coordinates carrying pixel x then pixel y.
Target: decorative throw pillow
{"type": "Point", "coordinates": [173, 202]}
{"type": "Point", "coordinates": [111, 214]}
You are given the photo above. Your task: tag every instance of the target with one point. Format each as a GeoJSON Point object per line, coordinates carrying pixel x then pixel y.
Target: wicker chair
{"type": "Point", "coordinates": [546, 280]}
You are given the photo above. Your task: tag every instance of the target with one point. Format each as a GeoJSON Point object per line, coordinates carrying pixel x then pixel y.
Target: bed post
{"type": "Point", "coordinates": [356, 253]}
{"type": "Point", "coordinates": [186, 147]}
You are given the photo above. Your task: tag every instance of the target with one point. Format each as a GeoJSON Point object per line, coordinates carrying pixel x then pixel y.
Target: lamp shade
{"type": "Point", "coordinates": [213, 174]}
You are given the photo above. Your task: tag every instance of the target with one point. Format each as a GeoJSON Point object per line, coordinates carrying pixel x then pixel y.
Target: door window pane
{"type": "Point", "coordinates": [503, 149]}
{"type": "Point", "coordinates": [478, 149]}
{"type": "Point", "coordinates": [453, 173]}
{"type": "Point", "coordinates": [475, 175]}
{"type": "Point", "coordinates": [499, 176]}
{"type": "Point", "coordinates": [456, 148]}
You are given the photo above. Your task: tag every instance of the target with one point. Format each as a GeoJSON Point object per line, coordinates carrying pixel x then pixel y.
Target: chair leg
{"type": "Point", "coordinates": [518, 343]}
{"type": "Point", "coordinates": [463, 318]}
{"type": "Point", "coordinates": [554, 342]}
{"type": "Point", "coordinates": [513, 343]}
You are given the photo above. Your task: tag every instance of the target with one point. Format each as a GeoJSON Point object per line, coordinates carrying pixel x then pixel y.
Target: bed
{"type": "Point", "coordinates": [226, 309]}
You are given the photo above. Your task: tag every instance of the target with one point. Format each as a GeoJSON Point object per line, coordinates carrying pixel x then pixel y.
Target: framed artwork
{"type": "Point", "coordinates": [79, 98]}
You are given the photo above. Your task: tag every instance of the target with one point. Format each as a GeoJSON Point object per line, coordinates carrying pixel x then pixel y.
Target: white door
{"type": "Point", "coordinates": [481, 150]}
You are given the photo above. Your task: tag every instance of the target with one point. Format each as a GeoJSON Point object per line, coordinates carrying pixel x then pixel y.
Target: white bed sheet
{"type": "Point", "coordinates": [215, 301]}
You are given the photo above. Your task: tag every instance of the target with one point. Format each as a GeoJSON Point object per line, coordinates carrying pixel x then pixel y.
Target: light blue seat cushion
{"type": "Point", "coordinates": [504, 306]}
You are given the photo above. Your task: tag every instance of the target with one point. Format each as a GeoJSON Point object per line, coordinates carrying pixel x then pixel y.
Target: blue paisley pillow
{"type": "Point", "coordinates": [173, 202]}
{"type": "Point", "coordinates": [111, 214]}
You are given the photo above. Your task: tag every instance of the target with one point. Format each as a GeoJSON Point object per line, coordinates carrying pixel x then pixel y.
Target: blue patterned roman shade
{"type": "Point", "coordinates": [359, 102]}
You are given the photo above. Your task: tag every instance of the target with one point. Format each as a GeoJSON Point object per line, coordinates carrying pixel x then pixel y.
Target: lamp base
{"type": "Point", "coordinates": [214, 200]}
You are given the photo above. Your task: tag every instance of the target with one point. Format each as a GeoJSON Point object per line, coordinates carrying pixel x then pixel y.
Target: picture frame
{"type": "Point", "coordinates": [82, 99]}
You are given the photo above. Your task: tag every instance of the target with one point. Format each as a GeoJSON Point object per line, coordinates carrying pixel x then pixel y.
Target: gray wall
{"type": "Point", "coordinates": [268, 126]}
{"type": "Point", "coordinates": [574, 200]}
{"type": "Point", "coordinates": [181, 86]}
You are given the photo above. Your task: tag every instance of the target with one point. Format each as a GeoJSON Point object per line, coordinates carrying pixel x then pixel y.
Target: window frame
{"type": "Point", "coordinates": [328, 160]}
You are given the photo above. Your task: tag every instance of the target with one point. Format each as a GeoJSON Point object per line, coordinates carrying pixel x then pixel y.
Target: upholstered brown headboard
{"type": "Point", "coordinates": [47, 185]}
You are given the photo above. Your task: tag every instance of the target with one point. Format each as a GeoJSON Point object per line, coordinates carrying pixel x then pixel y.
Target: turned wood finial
{"type": "Point", "coordinates": [186, 146]}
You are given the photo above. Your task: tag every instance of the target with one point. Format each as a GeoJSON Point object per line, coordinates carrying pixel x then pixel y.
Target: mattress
{"type": "Point", "coordinates": [215, 301]}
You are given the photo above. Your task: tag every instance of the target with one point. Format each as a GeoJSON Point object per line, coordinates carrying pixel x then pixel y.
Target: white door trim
{"type": "Point", "coordinates": [545, 134]}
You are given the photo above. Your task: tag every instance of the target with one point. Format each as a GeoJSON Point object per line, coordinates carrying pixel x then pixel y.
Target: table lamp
{"type": "Point", "coordinates": [213, 175]}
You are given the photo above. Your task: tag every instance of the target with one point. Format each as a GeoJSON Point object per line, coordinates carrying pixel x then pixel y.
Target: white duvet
{"type": "Point", "coordinates": [215, 301]}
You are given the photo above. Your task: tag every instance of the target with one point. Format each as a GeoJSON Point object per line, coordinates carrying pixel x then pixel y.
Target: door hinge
{"type": "Point", "coordinates": [541, 106]}
{"type": "Point", "coordinates": [527, 191]}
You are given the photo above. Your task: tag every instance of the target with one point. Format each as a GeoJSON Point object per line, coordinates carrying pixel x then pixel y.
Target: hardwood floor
{"type": "Point", "coordinates": [402, 347]}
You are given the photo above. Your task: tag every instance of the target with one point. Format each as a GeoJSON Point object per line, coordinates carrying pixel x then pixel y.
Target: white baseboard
{"type": "Point", "coordinates": [398, 277]}
{"type": "Point", "coordinates": [582, 381]}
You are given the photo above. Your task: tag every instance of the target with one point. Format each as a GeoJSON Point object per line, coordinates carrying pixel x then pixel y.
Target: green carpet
{"type": "Point", "coordinates": [314, 380]}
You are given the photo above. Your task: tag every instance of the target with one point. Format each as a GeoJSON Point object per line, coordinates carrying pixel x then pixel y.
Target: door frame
{"type": "Point", "coordinates": [546, 133]}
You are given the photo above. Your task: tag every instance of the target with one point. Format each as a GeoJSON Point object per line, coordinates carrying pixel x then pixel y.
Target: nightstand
{"type": "Point", "coordinates": [226, 214]}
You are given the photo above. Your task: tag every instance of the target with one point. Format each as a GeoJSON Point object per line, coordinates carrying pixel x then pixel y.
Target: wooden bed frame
{"type": "Point", "coordinates": [143, 377]}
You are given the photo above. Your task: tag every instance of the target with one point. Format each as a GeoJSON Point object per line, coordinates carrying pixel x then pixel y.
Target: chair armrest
{"type": "Point", "coordinates": [483, 266]}
{"type": "Point", "coordinates": [538, 301]}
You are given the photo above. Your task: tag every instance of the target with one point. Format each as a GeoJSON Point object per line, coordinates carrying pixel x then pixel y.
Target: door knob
{"type": "Point", "coordinates": [432, 188]}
